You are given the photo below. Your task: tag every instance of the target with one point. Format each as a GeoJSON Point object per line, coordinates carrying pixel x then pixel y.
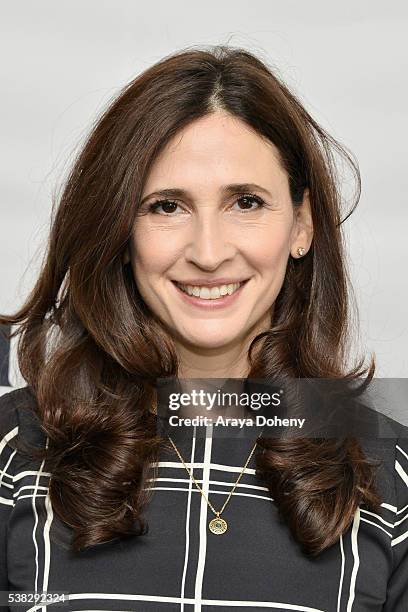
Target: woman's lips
{"type": "Point", "coordinates": [215, 304]}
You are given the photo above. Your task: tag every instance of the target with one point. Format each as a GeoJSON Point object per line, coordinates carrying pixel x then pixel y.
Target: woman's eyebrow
{"type": "Point", "coordinates": [175, 192]}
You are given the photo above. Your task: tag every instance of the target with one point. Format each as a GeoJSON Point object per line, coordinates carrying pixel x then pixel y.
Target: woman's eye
{"type": "Point", "coordinates": [169, 206]}
{"type": "Point", "coordinates": [247, 199]}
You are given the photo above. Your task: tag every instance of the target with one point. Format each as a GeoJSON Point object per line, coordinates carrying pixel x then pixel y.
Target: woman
{"type": "Point", "coordinates": [198, 236]}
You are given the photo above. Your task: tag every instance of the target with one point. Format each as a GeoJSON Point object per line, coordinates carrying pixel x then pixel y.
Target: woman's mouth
{"type": "Point", "coordinates": [210, 297]}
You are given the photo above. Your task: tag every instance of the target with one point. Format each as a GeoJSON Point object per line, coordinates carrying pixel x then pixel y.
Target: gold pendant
{"type": "Point", "coordinates": [218, 525]}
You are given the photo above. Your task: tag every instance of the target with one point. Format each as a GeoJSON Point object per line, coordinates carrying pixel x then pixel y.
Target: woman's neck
{"type": "Point", "coordinates": [215, 363]}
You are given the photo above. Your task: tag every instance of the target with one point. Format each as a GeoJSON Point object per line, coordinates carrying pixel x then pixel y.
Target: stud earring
{"type": "Point", "coordinates": [301, 251]}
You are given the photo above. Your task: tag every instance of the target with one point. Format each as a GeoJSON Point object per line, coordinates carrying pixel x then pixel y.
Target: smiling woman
{"type": "Point", "coordinates": [198, 236]}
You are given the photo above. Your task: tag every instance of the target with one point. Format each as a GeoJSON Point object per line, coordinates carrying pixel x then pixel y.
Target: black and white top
{"type": "Point", "coordinates": [180, 565]}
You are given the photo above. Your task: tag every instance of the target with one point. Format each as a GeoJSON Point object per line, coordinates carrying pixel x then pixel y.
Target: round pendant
{"type": "Point", "coordinates": [218, 525]}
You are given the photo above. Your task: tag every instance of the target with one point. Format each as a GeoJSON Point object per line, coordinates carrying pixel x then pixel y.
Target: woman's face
{"type": "Point", "coordinates": [209, 231]}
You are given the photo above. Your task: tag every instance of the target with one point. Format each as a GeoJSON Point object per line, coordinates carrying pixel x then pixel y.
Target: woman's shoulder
{"type": "Point", "coordinates": [389, 433]}
{"type": "Point", "coordinates": [19, 418]}
{"type": "Point", "coordinates": [399, 458]}
{"type": "Point", "coordinates": [20, 431]}
{"type": "Point", "coordinates": [390, 448]}
{"type": "Point", "coordinates": [389, 443]}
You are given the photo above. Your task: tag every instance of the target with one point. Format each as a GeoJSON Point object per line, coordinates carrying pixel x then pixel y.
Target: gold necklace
{"type": "Point", "coordinates": [217, 525]}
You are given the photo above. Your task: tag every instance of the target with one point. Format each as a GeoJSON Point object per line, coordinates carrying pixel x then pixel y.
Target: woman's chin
{"type": "Point", "coordinates": [212, 340]}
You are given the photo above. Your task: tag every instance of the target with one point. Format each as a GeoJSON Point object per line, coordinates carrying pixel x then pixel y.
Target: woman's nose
{"type": "Point", "coordinates": [208, 242]}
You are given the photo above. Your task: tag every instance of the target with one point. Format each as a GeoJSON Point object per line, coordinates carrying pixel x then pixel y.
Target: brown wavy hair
{"type": "Point", "coordinates": [91, 350]}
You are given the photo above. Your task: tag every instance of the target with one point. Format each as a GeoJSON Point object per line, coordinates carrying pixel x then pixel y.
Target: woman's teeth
{"type": "Point", "coordinates": [209, 293]}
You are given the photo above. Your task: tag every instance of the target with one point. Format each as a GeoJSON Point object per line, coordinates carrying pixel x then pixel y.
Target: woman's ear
{"type": "Point", "coordinates": [303, 228]}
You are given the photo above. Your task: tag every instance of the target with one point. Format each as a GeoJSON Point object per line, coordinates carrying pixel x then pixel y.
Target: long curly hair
{"type": "Point", "coordinates": [91, 350]}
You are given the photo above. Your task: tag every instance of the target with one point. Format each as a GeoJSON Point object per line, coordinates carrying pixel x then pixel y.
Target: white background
{"type": "Point", "coordinates": [63, 61]}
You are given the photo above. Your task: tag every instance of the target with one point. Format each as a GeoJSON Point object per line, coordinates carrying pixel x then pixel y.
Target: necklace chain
{"type": "Point", "coordinates": [216, 525]}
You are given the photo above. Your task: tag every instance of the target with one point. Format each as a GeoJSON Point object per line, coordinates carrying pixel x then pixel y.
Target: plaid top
{"type": "Point", "coordinates": [180, 565]}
